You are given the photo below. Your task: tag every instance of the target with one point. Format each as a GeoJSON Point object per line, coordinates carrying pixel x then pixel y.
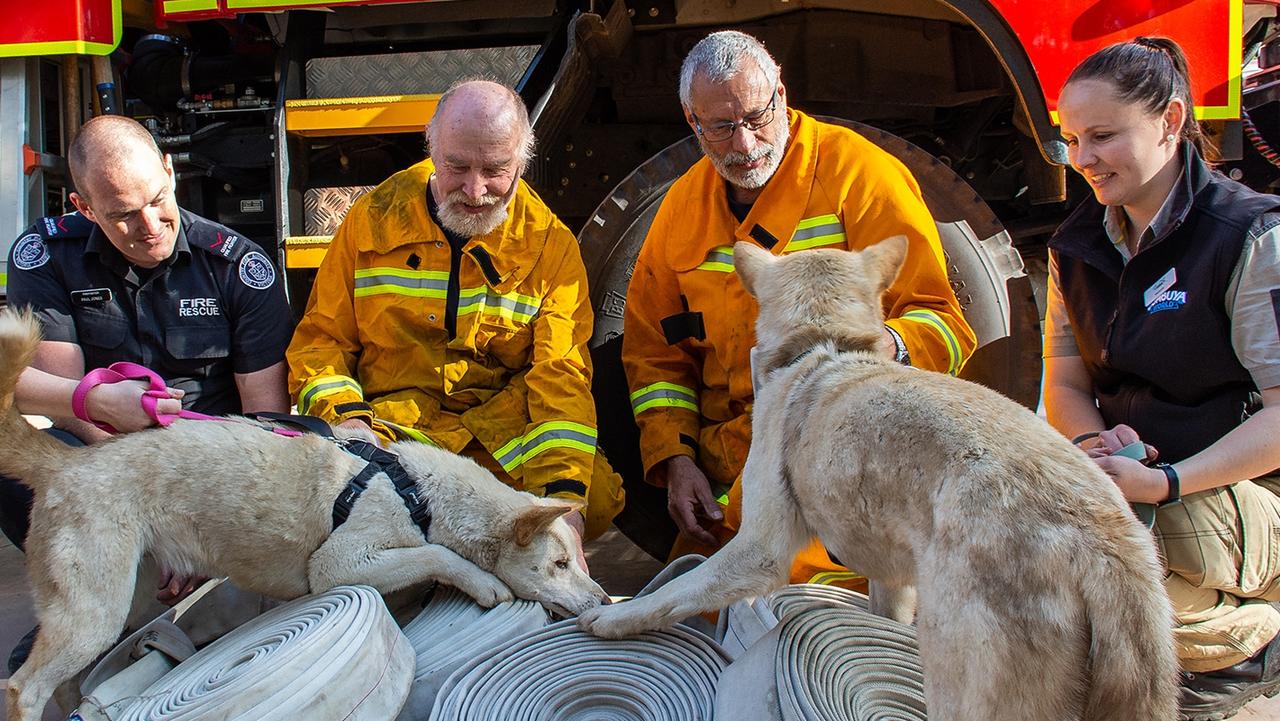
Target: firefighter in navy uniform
{"type": "Point", "coordinates": [131, 277]}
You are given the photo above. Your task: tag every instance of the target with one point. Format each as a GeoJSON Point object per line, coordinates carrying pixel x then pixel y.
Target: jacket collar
{"type": "Point", "coordinates": [398, 216]}
{"type": "Point", "coordinates": [774, 214]}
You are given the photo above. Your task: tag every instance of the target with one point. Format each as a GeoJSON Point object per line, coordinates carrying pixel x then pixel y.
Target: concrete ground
{"type": "Point", "coordinates": [619, 566]}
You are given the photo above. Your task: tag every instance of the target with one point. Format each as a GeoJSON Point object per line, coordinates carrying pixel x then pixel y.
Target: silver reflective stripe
{"type": "Point", "coordinates": [370, 281]}
{"type": "Point", "coordinates": [817, 231]}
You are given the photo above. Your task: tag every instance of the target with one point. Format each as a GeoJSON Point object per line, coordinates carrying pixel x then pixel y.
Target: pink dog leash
{"type": "Point", "coordinates": [125, 371]}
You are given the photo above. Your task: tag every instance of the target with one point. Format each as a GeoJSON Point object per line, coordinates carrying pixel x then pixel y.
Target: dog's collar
{"type": "Point", "coordinates": [380, 461]}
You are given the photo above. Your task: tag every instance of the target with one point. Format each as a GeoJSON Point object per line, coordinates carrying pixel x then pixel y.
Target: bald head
{"type": "Point", "coordinates": [108, 146]}
{"type": "Point", "coordinates": [485, 105]}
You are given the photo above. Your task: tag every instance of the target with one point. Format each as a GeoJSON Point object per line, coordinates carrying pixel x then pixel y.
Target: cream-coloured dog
{"type": "Point", "coordinates": [232, 499]}
{"type": "Point", "coordinates": [1040, 594]}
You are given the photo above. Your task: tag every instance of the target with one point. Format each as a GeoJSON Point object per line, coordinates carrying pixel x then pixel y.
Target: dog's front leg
{"type": "Point", "coordinates": [392, 569]}
{"type": "Point", "coordinates": [895, 602]}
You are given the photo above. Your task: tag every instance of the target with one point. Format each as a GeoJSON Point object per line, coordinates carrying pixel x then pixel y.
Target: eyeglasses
{"type": "Point", "coordinates": [721, 132]}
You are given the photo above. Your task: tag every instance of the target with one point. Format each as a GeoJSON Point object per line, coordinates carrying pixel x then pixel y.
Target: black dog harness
{"type": "Point", "coordinates": [378, 461]}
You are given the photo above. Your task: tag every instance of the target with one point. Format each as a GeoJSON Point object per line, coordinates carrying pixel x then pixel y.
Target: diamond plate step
{"type": "Point", "coordinates": [324, 208]}
{"type": "Point", "coordinates": [413, 73]}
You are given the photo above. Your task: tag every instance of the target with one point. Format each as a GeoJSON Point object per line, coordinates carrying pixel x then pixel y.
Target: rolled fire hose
{"type": "Point", "coordinates": [803, 596]}
{"type": "Point", "coordinates": [334, 656]}
{"type": "Point", "coordinates": [562, 674]}
{"type": "Point", "coordinates": [452, 630]}
{"type": "Point", "coordinates": [827, 660]}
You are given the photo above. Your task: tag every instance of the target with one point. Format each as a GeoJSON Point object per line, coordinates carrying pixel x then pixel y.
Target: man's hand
{"type": "Point", "coordinates": [120, 405]}
{"type": "Point", "coordinates": [172, 588]}
{"type": "Point", "coordinates": [689, 500]}
{"type": "Point", "coordinates": [888, 346]}
{"type": "Point", "coordinates": [361, 429]}
{"type": "Point", "coordinates": [578, 524]}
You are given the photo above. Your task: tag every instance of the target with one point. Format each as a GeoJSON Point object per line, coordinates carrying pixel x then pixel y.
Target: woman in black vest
{"type": "Point", "coordinates": [1161, 327]}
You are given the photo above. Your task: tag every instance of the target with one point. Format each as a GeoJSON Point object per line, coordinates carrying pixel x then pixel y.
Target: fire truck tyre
{"type": "Point", "coordinates": [452, 630]}
{"type": "Point", "coordinates": [333, 656]}
{"type": "Point", "coordinates": [560, 672]}
{"type": "Point", "coordinates": [984, 268]}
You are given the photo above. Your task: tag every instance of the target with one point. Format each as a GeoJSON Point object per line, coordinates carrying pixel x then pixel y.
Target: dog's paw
{"type": "Point", "coordinates": [619, 620]}
{"type": "Point", "coordinates": [487, 590]}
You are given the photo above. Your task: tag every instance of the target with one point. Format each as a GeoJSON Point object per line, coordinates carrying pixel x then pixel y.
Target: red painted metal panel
{"type": "Point", "coordinates": [1058, 35]}
{"type": "Point", "coordinates": [40, 26]}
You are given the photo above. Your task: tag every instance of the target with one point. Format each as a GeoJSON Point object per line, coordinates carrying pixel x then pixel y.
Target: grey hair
{"type": "Point", "coordinates": [529, 143]}
{"type": "Point", "coordinates": [719, 57]}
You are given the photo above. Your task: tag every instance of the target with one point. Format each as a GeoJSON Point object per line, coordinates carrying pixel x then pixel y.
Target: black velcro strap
{"type": "Point", "coordinates": [684, 325]}
{"type": "Point", "coordinates": [310, 424]}
{"type": "Point", "coordinates": [343, 409]}
{"type": "Point", "coordinates": [565, 485]}
{"type": "Point", "coordinates": [762, 236]}
{"type": "Point", "coordinates": [486, 265]}
{"type": "Point", "coordinates": [381, 461]}
{"type": "Point", "coordinates": [689, 441]}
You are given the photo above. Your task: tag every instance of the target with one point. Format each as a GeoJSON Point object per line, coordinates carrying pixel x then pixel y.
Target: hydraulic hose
{"type": "Point", "coordinates": [452, 630]}
{"type": "Point", "coordinates": [334, 656]}
{"type": "Point", "coordinates": [562, 674]}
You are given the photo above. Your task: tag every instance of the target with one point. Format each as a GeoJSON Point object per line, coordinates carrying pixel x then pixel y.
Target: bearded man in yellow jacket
{"type": "Point", "coordinates": [452, 308]}
{"type": "Point", "coordinates": [777, 177]}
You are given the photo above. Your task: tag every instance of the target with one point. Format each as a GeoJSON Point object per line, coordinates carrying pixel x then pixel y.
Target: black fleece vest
{"type": "Point", "coordinates": [1154, 334]}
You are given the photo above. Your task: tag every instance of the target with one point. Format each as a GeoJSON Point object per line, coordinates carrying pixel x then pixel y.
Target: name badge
{"type": "Point", "coordinates": [91, 296]}
{"type": "Point", "coordinates": [1165, 282]}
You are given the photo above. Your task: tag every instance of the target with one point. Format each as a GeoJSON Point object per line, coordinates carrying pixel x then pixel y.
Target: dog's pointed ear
{"type": "Point", "coordinates": [534, 518]}
{"type": "Point", "coordinates": [884, 260]}
{"type": "Point", "coordinates": [750, 260]}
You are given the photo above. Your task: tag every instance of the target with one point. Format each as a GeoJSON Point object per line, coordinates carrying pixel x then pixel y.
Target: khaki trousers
{"type": "Point", "coordinates": [1221, 548]}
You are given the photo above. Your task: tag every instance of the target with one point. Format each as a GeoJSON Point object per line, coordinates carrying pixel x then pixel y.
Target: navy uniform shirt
{"type": "Point", "coordinates": [214, 308]}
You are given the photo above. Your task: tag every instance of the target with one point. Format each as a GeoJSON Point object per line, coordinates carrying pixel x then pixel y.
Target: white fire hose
{"type": "Point", "coordinates": [562, 674]}
{"type": "Point", "coordinates": [828, 660]}
{"type": "Point", "coordinates": [333, 656]}
{"type": "Point", "coordinates": [452, 630]}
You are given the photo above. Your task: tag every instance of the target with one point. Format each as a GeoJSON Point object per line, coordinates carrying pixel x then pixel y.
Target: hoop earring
{"type": "Point", "coordinates": [1170, 138]}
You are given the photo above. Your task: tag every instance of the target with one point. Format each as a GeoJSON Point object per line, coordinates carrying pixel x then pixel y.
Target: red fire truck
{"type": "Point", "coordinates": [279, 113]}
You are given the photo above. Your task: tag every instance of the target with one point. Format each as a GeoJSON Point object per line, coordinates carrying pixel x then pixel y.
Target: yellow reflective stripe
{"type": "Point", "coordinates": [322, 386]}
{"type": "Point", "coordinates": [412, 433]}
{"type": "Point", "coordinates": [545, 436]}
{"type": "Point", "coordinates": [186, 6]}
{"type": "Point", "coordinates": [816, 232]}
{"type": "Point", "coordinates": [663, 395]}
{"type": "Point", "coordinates": [401, 281]}
{"type": "Point", "coordinates": [512, 306]}
{"type": "Point", "coordinates": [720, 259]}
{"type": "Point", "coordinates": [933, 320]}
{"type": "Point", "coordinates": [828, 578]}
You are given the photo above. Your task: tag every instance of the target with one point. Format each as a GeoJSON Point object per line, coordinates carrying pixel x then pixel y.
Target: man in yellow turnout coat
{"type": "Point", "coordinates": [789, 183]}
{"type": "Point", "coordinates": [452, 309]}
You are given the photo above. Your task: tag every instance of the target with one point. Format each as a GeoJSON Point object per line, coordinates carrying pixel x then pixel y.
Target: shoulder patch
{"type": "Point", "coordinates": [30, 252]}
{"type": "Point", "coordinates": [71, 225]}
{"type": "Point", "coordinates": [256, 271]}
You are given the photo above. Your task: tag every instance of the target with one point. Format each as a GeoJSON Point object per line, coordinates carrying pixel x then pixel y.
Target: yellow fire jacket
{"type": "Point", "coordinates": [514, 375]}
{"type": "Point", "coordinates": [690, 325]}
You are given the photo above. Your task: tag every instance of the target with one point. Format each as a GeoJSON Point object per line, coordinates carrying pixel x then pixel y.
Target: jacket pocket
{"type": "Point", "coordinates": [198, 344]}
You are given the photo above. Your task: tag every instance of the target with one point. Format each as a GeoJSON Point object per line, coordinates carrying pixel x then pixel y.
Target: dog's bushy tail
{"type": "Point", "coordinates": [1132, 665]}
{"type": "Point", "coordinates": [21, 445]}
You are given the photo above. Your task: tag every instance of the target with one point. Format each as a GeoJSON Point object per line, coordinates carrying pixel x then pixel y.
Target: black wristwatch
{"type": "Point", "coordinates": [901, 356]}
{"type": "Point", "coordinates": [1175, 485]}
